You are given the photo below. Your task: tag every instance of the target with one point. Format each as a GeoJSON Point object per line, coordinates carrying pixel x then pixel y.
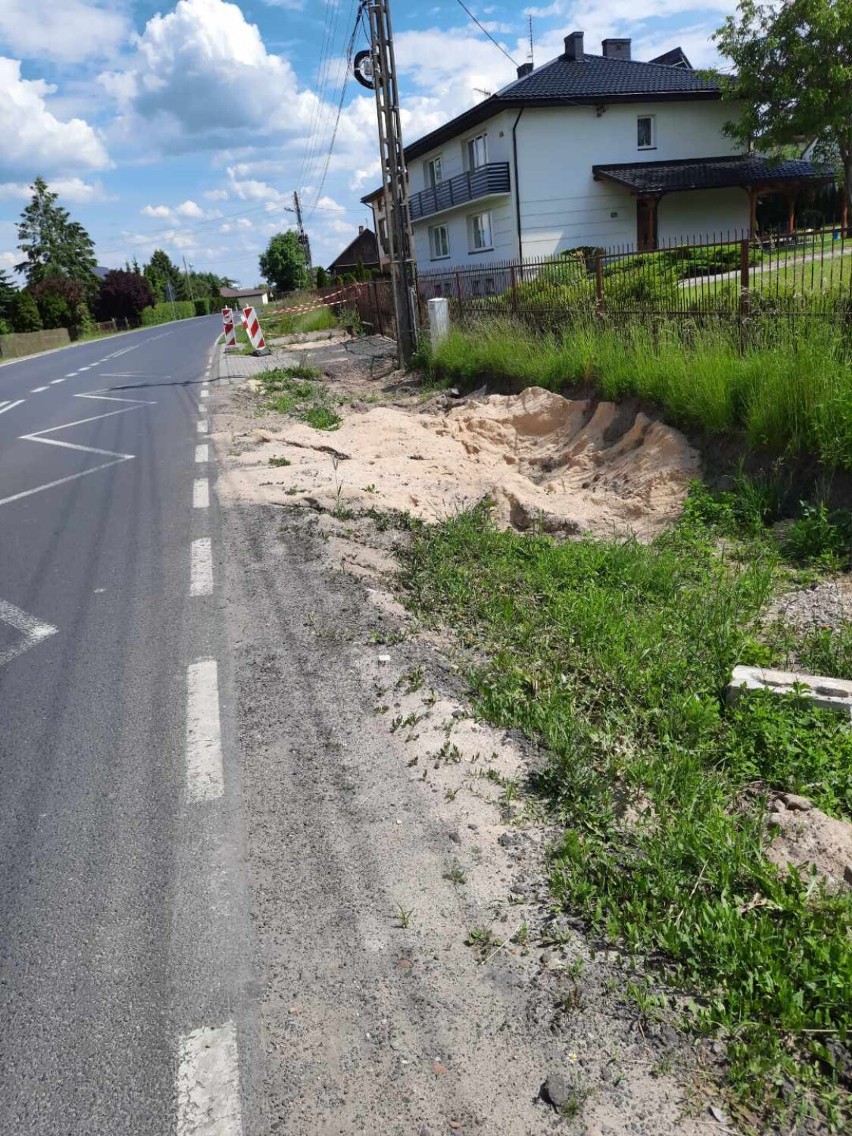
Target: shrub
{"type": "Point", "coordinates": [25, 313]}
{"type": "Point", "coordinates": [166, 313]}
{"type": "Point", "coordinates": [124, 295]}
{"type": "Point", "coordinates": [202, 306]}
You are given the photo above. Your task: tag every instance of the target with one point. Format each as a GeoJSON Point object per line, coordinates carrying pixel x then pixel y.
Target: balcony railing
{"type": "Point", "coordinates": [486, 181]}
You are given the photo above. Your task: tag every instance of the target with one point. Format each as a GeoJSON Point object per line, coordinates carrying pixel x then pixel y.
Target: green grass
{"type": "Point", "coordinates": [295, 391]}
{"type": "Point", "coordinates": [322, 319]}
{"type": "Point", "coordinates": [615, 657]}
{"type": "Point", "coordinates": [793, 398]}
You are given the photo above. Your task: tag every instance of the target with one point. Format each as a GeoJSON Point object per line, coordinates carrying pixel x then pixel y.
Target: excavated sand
{"type": "Point", "coordinates": [572, 466]}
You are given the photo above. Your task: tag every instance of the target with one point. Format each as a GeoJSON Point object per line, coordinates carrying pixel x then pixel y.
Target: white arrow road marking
{"type": "Point", "coordinates": [32, 631]}
{"type": "Point", "coordinates": [117, 458]}
{"type": "Point", "coordinates": [4, 406]}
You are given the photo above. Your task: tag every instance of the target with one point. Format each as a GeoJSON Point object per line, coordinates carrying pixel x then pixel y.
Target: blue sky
{"type": "Point", "coordinates": [188, 125]}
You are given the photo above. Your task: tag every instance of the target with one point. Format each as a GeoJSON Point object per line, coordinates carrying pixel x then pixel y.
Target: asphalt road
{"type": "Point", "coordinates": [125, 956]}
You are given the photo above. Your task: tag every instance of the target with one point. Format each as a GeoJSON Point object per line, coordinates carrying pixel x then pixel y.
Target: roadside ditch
{"type": "Point", "coordinates": [504, 839]}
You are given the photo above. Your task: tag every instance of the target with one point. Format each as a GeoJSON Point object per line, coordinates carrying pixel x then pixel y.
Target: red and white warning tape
{"type": "Point", "coordinates": [326, 302]}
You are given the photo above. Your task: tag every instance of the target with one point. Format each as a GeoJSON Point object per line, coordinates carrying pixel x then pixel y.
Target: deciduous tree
{"type": "Point", "coordinates": [124, 295]}
{"type": "Point", "coordinates": [283, 263]}
{"type": "Point", "coordinates": [160, 272]}
{"type": "Point", "coordinates": [792, 76]}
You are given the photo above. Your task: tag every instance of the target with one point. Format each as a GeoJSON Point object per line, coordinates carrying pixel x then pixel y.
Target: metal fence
{"type": "Point", "coordinates": [803, 274]}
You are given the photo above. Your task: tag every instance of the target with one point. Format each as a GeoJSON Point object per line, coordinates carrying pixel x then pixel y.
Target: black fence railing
{"type": "Point", "coordinates": [487, 181]}
{"type": "Point", "coordinates": [803, 274]}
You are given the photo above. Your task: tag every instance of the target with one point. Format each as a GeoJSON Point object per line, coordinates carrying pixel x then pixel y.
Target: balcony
{"type": "Point", "coordinates": [486, 181]}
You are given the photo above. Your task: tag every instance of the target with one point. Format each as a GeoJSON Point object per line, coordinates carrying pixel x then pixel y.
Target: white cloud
{"type": "Point", "coordinates": [39, 143]}
{"type": "Point", "coordinates": [201, 78]}
{"type": "Point", "coordinates": [68, 32]}
{"type": "Point", "coordinates": [189, 209]}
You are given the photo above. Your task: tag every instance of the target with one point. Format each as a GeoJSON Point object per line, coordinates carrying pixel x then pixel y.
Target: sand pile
{"type": "Point", "coordinates": [572, 466]}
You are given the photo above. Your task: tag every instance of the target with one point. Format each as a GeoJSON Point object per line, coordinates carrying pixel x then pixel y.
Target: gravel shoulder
{"type": "Point", "coordinates": [414, 976]}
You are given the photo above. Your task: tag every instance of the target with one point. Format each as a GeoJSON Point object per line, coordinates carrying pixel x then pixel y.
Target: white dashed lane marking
{"type": "Point", "coordinates": [208, 1083]}
{"type": "Point", "coordinates": [205, 779]}
{"type": "Point", "coordinates": [4, 406]}
{"type": "Point", "coordinates": [38, 390]}
{"type": "Point", "coordinates": [201, 494]}
{"type": "Point", "coordinates": [202, 427]}
{"type": "Point", "coordinates": [201, 453]}
{"type": "Point", "coordinates": [201, 568]}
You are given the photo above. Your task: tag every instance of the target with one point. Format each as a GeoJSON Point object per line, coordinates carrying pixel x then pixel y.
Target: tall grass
{"type": "Point", "coordinates": [793, 396]}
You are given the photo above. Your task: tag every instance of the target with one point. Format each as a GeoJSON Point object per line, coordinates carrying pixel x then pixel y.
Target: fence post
{"type": "Point", "coordinates": [514, 285]}
{"type": "Point", "coordinates": [599, 296]}
{"type": "Point", "coordinates": [745, 297]}
{"type": "Point", "coordinates": [439, 320]}
{"type": "Point", "coordinates": [376, 311]}
{"type": "Point", "coordinates": [459, 292]}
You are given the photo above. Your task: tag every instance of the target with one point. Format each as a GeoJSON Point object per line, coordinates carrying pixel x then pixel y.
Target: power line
{"type": "Point", "coordinates": [486, 32]}
{"type": "Point", "coordinates": [349, 50]}
{"type": "Point", "coordinates": [189, 230]}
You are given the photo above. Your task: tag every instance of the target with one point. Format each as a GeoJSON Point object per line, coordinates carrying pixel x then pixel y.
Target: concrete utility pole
{"type": "Point", "coordinates": [188, 280]}
{"type": "Point", "coordinates": [394, 177]}
{"type": "Point", "coordinates": [303, 236]}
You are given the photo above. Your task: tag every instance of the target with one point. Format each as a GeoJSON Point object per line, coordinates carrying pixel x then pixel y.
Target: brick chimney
{"type": "Point", "coordinates": [574, 47]}
{"type": "Point", "coordinates": [524, 70]}
{"type": "Point", "coordinates": [616, 48]}
{"type": "Point", "coordinates": [360, 230]}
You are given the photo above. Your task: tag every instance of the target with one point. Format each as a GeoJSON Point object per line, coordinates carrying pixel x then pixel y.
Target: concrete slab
{"type": "Point", "coordinates": [827, 693]}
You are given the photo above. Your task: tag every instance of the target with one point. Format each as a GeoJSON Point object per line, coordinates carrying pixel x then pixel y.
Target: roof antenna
{"type": "Point", "coordinates": [532, 53]}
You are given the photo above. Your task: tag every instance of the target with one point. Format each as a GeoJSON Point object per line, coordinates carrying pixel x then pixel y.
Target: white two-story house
{"type": "Point", "coordinates": [586, 150]}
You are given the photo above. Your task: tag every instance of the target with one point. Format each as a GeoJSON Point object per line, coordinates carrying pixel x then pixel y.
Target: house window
{"type": "Point", "coordinates": [646, 132]}
{"type": "Point", "coordinates": [434, 173]}
{"type": "Point", "coordinates": [383, 234]}
{"type": "Point", "coordinates": [477, 152]}
{"type": "Point", "coordinates": [439, 242]}
{"type": "Point", "coordinates": [480, 232]}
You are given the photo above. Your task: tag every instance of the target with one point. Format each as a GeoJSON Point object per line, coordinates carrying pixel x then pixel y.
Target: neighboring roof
{"type": "Point", "coordinates": [674, 58]}
{"type": "Point", "coordinates": [365, 248]}
{"type": "Point", "coordinates": [566, 82]}
{"type": "Point", "coordinates": [101, 272]}
{"type": "Point", "coordinates": [653, 179]}
{"type": "Point", "coordinates": [235, 293]}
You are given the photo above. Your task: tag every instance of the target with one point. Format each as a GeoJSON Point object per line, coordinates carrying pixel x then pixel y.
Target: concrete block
{"type": "Point", "coordinates": [827, 693]}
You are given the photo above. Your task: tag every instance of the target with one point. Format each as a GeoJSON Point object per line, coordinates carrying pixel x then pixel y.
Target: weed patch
{"type": "Point", "coordinates": [296, 392]}
{"type": "Point", "coordinates": [615, 656]}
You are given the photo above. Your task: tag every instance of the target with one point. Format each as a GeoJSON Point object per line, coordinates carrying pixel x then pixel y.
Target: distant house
{"type": "Point", "coordinates": [587, 150]}
{"type": "Point", "coordinates": [244, 297]}
{"type": "Point", "coordinates": [364, 250]}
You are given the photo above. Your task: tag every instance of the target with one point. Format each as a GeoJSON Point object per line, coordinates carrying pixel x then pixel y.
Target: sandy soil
{"type": "Point", "coordinates": [569, 466]}
{"type": "Point", "coordinates": [811, 841]}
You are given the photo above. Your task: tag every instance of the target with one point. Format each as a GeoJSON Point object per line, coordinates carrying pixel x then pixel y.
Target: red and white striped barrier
{"type": "Point", "coordinates": [230, 331]}
{"type": "Point", "coordinates": [252, 326]}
